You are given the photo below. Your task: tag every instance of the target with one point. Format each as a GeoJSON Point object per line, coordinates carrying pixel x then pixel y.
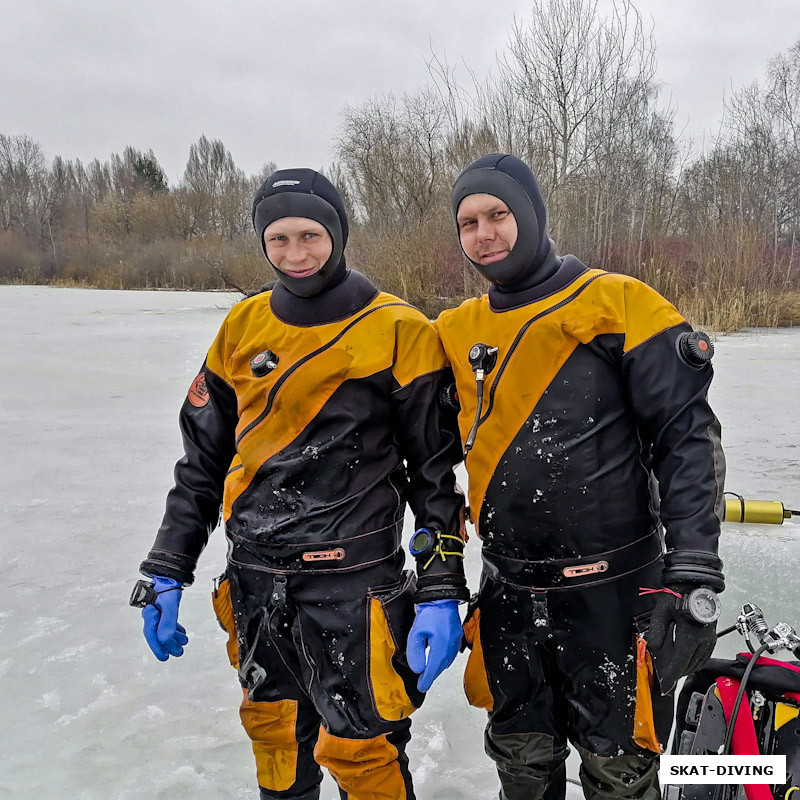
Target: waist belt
{"type": "Point", "coordinates": [341, 555]}
{"type": "Point", "coordinates": [572, 573]}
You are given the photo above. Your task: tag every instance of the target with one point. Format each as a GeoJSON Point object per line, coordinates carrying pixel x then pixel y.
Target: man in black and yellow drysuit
{"type": "Point", "coordinates": [315, 416]}
{"type": "Point", "coordinates": [575, 388]}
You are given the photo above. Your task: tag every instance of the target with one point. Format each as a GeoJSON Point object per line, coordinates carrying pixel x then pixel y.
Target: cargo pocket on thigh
{"type": "Point", "coordinates": [272, 728]}
{"type": "Point", "coordinates": [223, 609]}
{"type": "Point", "coordinates": [476, 681]}
{"type": "Point", "coordinates": [390, 614]}
{"type": "Point", "coordinates": [644, 726]}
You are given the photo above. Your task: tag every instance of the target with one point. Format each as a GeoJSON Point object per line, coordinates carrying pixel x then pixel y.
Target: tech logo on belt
{"type": "Point", "coordinates": [198, 391]}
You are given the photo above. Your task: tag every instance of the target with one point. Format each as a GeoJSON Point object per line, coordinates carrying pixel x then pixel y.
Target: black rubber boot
{"type": "Point", "coordinates": [631, 777]}
{"type": "Point", "coordinates": [527, 767]}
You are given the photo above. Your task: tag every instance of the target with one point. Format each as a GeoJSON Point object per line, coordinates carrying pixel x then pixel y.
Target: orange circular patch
{"type": "Point", "coordinates": [198, 391]}
{"type": "Point", "coordinates": [703, 344]}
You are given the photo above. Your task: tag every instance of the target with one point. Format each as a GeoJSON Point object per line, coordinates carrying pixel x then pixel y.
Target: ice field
{"type": "Point", "coordinates": [90, 387]}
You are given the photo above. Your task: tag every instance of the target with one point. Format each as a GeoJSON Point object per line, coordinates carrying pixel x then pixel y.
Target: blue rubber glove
{"type": "Point", "coordinates": [163, 634]}
{"type": "Point", "coordinates": [436, 628]}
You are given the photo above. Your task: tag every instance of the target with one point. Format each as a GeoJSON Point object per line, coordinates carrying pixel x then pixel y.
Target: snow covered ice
{"type": "Point", "coordinates": [91, 386]}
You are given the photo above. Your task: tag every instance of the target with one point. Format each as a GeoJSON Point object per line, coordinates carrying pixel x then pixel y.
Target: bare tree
{"type": "Point", "coordinates": [577, 77]}
{"type": "Point", "coordinates": [22, 184]}
{"type": "Point", "coordinates": [215, 189]}
{"type": "Point", "coordinates": [390, 153]}
{"type": "Point", "coordinates": [575, 97]}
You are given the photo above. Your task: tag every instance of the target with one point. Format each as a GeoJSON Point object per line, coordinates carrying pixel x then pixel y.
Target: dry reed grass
{"type": "Point", "coordinates": [723, 279]}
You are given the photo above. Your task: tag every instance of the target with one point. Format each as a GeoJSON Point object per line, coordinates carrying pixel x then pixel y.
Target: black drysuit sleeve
{"type": "Point", "coordinates": [208, 421]}
{"type": "Point", "coordinates": [427, 434]}
{"type": "Point", "coordinates": [683, 436]}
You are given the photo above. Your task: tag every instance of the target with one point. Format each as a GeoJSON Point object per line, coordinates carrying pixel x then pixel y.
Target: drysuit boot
{"type": "Point", "coordinates": [527, 766]}
{"type": "Point", "coordinates": [633, 777]}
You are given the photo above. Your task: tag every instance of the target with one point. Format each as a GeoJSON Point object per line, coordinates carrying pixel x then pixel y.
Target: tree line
{"type": "Point", "coordinates": [118, 224]}
{"type": "Point", "coordinates": [574, 93]}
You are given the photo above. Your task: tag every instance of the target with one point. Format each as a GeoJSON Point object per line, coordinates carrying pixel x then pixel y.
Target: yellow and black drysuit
{"type": "Point", "coordinates": [584, 396]}
{"type": "Point", "coordinates": [315, 417]}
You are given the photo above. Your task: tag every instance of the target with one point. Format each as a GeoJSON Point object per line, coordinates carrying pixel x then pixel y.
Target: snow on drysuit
{"type": "Point", "coordinates": [587, 394]}
{"type": "Point", "coordinates": [314, 417]}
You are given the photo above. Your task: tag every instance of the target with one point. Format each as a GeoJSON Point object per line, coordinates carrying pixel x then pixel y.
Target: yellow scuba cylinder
{"type": "Point", "coordinates": [765, 512]}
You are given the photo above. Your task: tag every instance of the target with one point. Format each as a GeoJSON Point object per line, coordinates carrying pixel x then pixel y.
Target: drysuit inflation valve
{"type": "Point", "coordinates": [695, 348]}
{"type": "Point", "coordinates": [263, 363]}
{"type": "Point", "coordinates": [482, 358]}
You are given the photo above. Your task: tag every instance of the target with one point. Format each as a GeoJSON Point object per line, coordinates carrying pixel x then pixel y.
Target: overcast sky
{"type": "Point", "coordinates": [270, 78]}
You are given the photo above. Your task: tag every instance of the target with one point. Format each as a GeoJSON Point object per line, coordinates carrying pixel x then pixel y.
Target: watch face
{"type": "Point", "coordinates": [420, 542]}
{"type": "Point", "coordinates": [704, 606]}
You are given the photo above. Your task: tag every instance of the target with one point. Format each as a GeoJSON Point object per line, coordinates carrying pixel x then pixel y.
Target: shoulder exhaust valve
{"type": "Point", "coordinates": [448, 397]}
{"type": "Point", "coordinates": [695, 348]}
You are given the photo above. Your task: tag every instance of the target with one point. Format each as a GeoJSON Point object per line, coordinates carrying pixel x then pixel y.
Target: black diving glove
{"type": "Point", "coordinates": [678, 642]}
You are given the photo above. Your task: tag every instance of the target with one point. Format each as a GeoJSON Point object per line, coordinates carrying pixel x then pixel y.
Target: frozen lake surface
{"type": "Point", "coordinates": [90, 390]}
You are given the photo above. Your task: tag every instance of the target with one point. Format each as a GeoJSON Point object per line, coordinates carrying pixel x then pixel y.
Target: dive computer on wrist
{"type": "Point", "coordinates": [702, 605]}
{"type": "Point", "coordinates": [423, 542]}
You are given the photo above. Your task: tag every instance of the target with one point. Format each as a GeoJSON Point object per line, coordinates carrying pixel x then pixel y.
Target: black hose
{"type": "Point", "coordinates": [473, 431]}
{"type": "Point", "coordinates": [740, 694]}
